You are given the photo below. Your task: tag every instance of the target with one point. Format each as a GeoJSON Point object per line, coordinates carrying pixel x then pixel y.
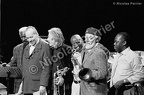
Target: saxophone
{"type": "Point", "coordinates": [77, 66]}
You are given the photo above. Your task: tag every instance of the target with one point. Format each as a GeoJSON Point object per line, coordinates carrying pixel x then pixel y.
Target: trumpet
{"type": "Point", "coordinates": [85, 74]}
{"type": "Point", "coordinates": [57, 75]}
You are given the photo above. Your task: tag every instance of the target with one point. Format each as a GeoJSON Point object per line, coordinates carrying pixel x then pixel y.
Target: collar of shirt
{"type": "Point", "coordinates": [96, 44]}
{"type": "Point", "coordinates": [124, 52]}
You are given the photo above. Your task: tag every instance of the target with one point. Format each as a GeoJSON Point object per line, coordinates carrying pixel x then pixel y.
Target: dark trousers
{"type": "Point", "coordinates": [67, 92]}
{"type": "Point", "coordinates": [126, 90]}
{"type": "Point", "coordinates": [17, 83]}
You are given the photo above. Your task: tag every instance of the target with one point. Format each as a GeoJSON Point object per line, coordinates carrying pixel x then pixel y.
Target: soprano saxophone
{"type": "Point", "coordinates": [76, 65]}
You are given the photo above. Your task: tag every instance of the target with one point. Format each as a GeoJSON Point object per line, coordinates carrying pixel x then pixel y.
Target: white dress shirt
{"type": "Point", "coordinates": [127, 65]}
{"type": "Point", "coordinates": [76, 86]}
{"type": "Point", "coordinates": [32, 47]}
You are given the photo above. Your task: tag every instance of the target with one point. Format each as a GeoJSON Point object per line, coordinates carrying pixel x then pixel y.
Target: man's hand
{"type": "Point", "coordinates": [76, 70]}
{"type": "Point", "coordinates": [5, 64]}
{"type": "Point", "coordinates": [59, 80]}
{"type": "Point", "coordinates": [76, 55]}
{"type": "Point", "coordinates": [42, 90]}
{"type": "Point", "coordinates": [119, 84]}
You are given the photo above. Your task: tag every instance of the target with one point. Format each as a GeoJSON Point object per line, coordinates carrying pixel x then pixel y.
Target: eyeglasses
{"type": "Point", "coordinates": [89, 37]}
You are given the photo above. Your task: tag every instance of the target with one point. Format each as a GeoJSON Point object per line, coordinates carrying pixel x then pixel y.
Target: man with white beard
{"type": "Point", "coordinates": [94, 61]}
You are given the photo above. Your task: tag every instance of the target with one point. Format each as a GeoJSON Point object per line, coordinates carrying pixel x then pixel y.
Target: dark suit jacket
{"type": "Point", "coordinates": [36, 67]}
{"type": "Point", "coordinates": [96, 61]}
{"type": "Point", "coordinates": [16, 62]}
{"type": "Point", "coordinates": [17, 55]}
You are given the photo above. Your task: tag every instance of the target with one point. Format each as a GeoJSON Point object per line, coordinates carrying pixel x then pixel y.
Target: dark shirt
{"type": "Point", "coordinates": [61, 58]}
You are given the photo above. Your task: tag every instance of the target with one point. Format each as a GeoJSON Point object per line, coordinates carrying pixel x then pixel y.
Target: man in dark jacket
{"type": "Point", "coordinates": [17, 57]}
{"type": "Point", "coordinates": [61, 63]}
{"type": "Point", "coordinates": [35, 64]}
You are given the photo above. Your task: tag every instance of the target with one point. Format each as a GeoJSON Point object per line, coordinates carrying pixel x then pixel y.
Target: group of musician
{"type": "Point", "coordinates": [51, 67]}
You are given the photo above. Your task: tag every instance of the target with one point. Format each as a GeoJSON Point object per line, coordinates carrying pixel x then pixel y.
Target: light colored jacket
{"type": "Point", "coordinates": [96, 61]}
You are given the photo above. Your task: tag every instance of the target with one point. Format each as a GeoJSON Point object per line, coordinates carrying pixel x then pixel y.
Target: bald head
{"type": "Point", "coordinates": [31, 30]}
{"type": "Point", "coordinates": [76, 39]}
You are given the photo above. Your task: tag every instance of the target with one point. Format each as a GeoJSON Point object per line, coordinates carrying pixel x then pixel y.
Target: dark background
{"type": "Point", "coordinates": [73, 17]}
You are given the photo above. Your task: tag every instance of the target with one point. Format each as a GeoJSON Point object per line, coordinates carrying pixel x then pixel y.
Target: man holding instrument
{"type": "Point", "coordinates": [61, 63]}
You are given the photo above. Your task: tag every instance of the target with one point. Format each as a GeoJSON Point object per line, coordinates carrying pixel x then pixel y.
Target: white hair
{"type": "Point", "coordinates": [22, 30]}
{"type": "Point", "coordinates": [58, 35]}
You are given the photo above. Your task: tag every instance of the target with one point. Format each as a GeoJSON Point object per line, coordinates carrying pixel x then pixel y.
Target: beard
{"type": "Point", "coordinates": [90, 45]}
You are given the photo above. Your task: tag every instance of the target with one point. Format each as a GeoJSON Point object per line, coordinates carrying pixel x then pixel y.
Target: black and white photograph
{"type": "Point", "coordinates": [71, 47]}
